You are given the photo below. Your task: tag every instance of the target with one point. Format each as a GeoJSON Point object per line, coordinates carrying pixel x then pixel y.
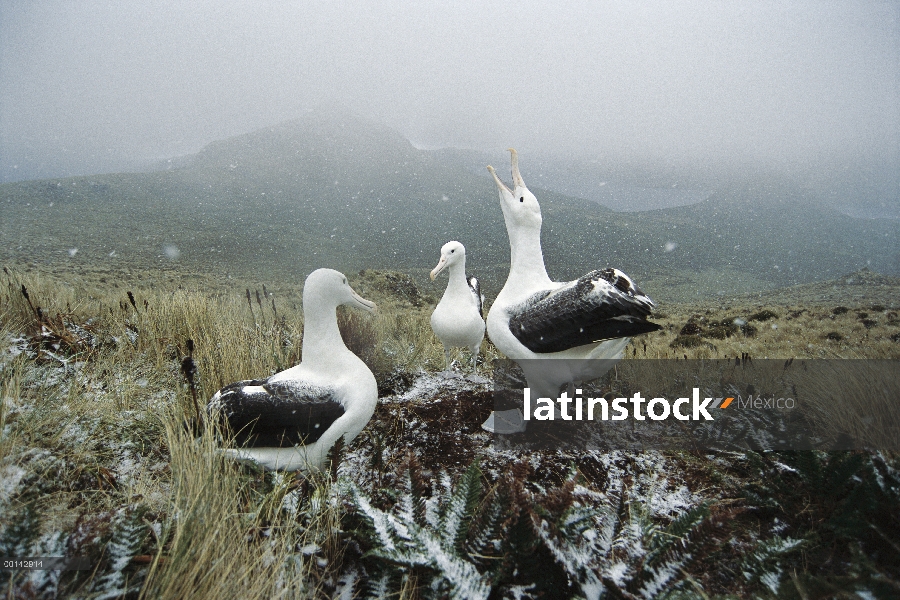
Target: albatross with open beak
{"type": "Point", "coordinates": [586, 322]}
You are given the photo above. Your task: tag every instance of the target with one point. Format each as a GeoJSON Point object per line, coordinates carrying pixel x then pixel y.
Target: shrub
{"type": "Point", "coordinates": [763, 315]}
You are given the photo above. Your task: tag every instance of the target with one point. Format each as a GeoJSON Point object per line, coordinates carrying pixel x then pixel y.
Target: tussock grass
{"type": "Point", "coordinates": [101, 427]}
{"type": "Point", "coordinates": [96, 434]}
{"type": "Point", "coordinates": [798, 331]}
{"type": "Point", "coordinates": [229, 344]}
{"type": "Point", "coordinates": [228, 538]}
{"type": "Point", "coordinates": [870, 416]}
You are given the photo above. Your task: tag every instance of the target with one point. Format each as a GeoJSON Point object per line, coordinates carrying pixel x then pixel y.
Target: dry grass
{"type": "Point", "coordinates": [228, 540]}
{"type": "Point", "coordinates": [858, 399]}
{"type": "Point", "coordinates": [110, 414]}
{"type": "Point", "coordinates": [796, 332]}
{"type": "Point", "coordinates": [101, 426]}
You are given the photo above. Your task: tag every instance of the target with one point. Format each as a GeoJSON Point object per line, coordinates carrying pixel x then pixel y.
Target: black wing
{"type": "Point", "coordinates": [476, 291]}
{"type": "Point", "coordinates": [276, 415]}
{"type": "Point", "coordinates": [602, 305]}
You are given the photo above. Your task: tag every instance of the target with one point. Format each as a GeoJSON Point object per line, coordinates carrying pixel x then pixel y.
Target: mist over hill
{"type": "Point", "coordinates": [332, 190]}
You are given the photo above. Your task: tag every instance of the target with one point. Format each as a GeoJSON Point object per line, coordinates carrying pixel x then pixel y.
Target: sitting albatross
{"type": "Point", "coordinates": [534, 317]}
{"type": "Point", "coordinates": [290, 420]}
{"type": "Point", "coordinates": [457, 319]}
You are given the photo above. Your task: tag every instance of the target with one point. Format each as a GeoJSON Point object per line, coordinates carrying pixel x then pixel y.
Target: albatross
{"type": "Point", "coordinates": [586, 323]}
{"type": "Point", "coordinates": [457, 320]}
{"type": "Point", "coordinates": [290, 420]}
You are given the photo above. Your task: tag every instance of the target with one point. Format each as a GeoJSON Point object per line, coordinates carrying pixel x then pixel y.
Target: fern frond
{"type": "Point", "coordinates": [20, 531]}
{"type": "Point", "coordinates": [659, 578]}
{"type": "Point", "coordinates": [463, 578]}
{"type": "Point", "coordinates": [676, 533]}
{"type": "Point", "coordinates": [378, 520]}
{"type": "Point", "coordinates": [399, 540]}
{"type": "Point", "coordinates": [487, 529]}
{"type": "Point", "coordinates": [574, 551]}
{"type": "Point", "coordinates": [379, 587]}
{"type": "Point", "coordinates": [886, 477]}
{"type": "Point", "coordinates": [412, 502]}
{"type": "Point", "coordinates": [128, 536]}
{"type": "Point", "coordinates": [460, 508]}
{"type": "Point", "coordinates": [763, 564]}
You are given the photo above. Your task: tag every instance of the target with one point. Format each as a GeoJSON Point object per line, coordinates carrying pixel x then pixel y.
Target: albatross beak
{"type": "Point", "coordinates": [517, 177]}
{"type": "Point", "coordinates": [505, 192]}
{"type": "Point", "coordinates": [442, 264]}
{"type": "Point", "coordinates": [360, 302]}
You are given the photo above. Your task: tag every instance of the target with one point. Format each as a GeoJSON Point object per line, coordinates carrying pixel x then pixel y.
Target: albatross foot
{"type": "Point", "coordinates": [505, 421]}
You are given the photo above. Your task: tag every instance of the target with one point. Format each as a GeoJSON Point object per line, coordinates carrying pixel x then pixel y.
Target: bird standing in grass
{"type": "Point", "coordinates": [584, 325]}
{"type": "Point", "coordinates": [290, 420]}
{"type": "Point", "coordinates": [457, 319]}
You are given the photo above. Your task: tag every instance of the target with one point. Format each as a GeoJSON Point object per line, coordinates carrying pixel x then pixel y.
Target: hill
{"type": "Point", "coordinates": [330, 189]}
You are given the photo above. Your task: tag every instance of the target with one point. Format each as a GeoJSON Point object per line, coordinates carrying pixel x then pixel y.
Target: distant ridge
{"type": "Point", "coordinates": [331, 189]}
{"type": "Point", "coordinates": [862, 288]}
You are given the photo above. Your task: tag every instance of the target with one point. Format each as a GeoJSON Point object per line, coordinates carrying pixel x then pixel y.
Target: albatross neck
{"type": "Point", "coordinates": [526, 257]}
{"type": "Point", "coordinates": [322, 342]}
{"type": "Point", "coordinates": [457, 277]}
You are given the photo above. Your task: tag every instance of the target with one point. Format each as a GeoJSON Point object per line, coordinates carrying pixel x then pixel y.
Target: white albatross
{"type": "Point", "coordinates": [290, 420]}
{"type": "Point", "coordinates": [586, 323]}
{"type": "Point", "coordinates": [457, 320]}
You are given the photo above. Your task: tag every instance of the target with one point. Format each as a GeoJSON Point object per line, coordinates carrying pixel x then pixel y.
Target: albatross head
{"type": "Point", "coordinates": [520, 207]}
{"type": "Point", "coordinates": [327, 287]}
{"type": "Point", "coordinates": [452, 253]}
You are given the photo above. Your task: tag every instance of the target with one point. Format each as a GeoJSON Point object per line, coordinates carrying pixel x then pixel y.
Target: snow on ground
{"type": "Point", "coordinates": [10, 477]}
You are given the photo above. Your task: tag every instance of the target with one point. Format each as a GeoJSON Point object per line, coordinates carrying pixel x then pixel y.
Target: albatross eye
{"type": "Point", "coordinates": [522, 199]}
{"type": "Point", "coordinates": [345, 281]}
{"type": "Point", "coordinates": [452, 251]}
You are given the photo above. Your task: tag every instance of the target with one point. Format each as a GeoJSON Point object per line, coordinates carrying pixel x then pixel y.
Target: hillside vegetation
{"type": "Point", "coordinates": [332, 190]}
{"type": "Point", "coordinates": [102, 455]}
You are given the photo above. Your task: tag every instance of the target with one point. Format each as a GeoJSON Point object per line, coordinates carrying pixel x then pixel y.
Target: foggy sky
{"type": "Point", "coordinates": [93, 86]}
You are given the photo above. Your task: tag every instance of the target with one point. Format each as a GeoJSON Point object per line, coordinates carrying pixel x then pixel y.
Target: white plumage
{"type": "Point", "coordinates": [534, 317]}
{"type": "Point", "coordinates": [457, 320]}
{"type": "Point", "coordinates": [290, 420]}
